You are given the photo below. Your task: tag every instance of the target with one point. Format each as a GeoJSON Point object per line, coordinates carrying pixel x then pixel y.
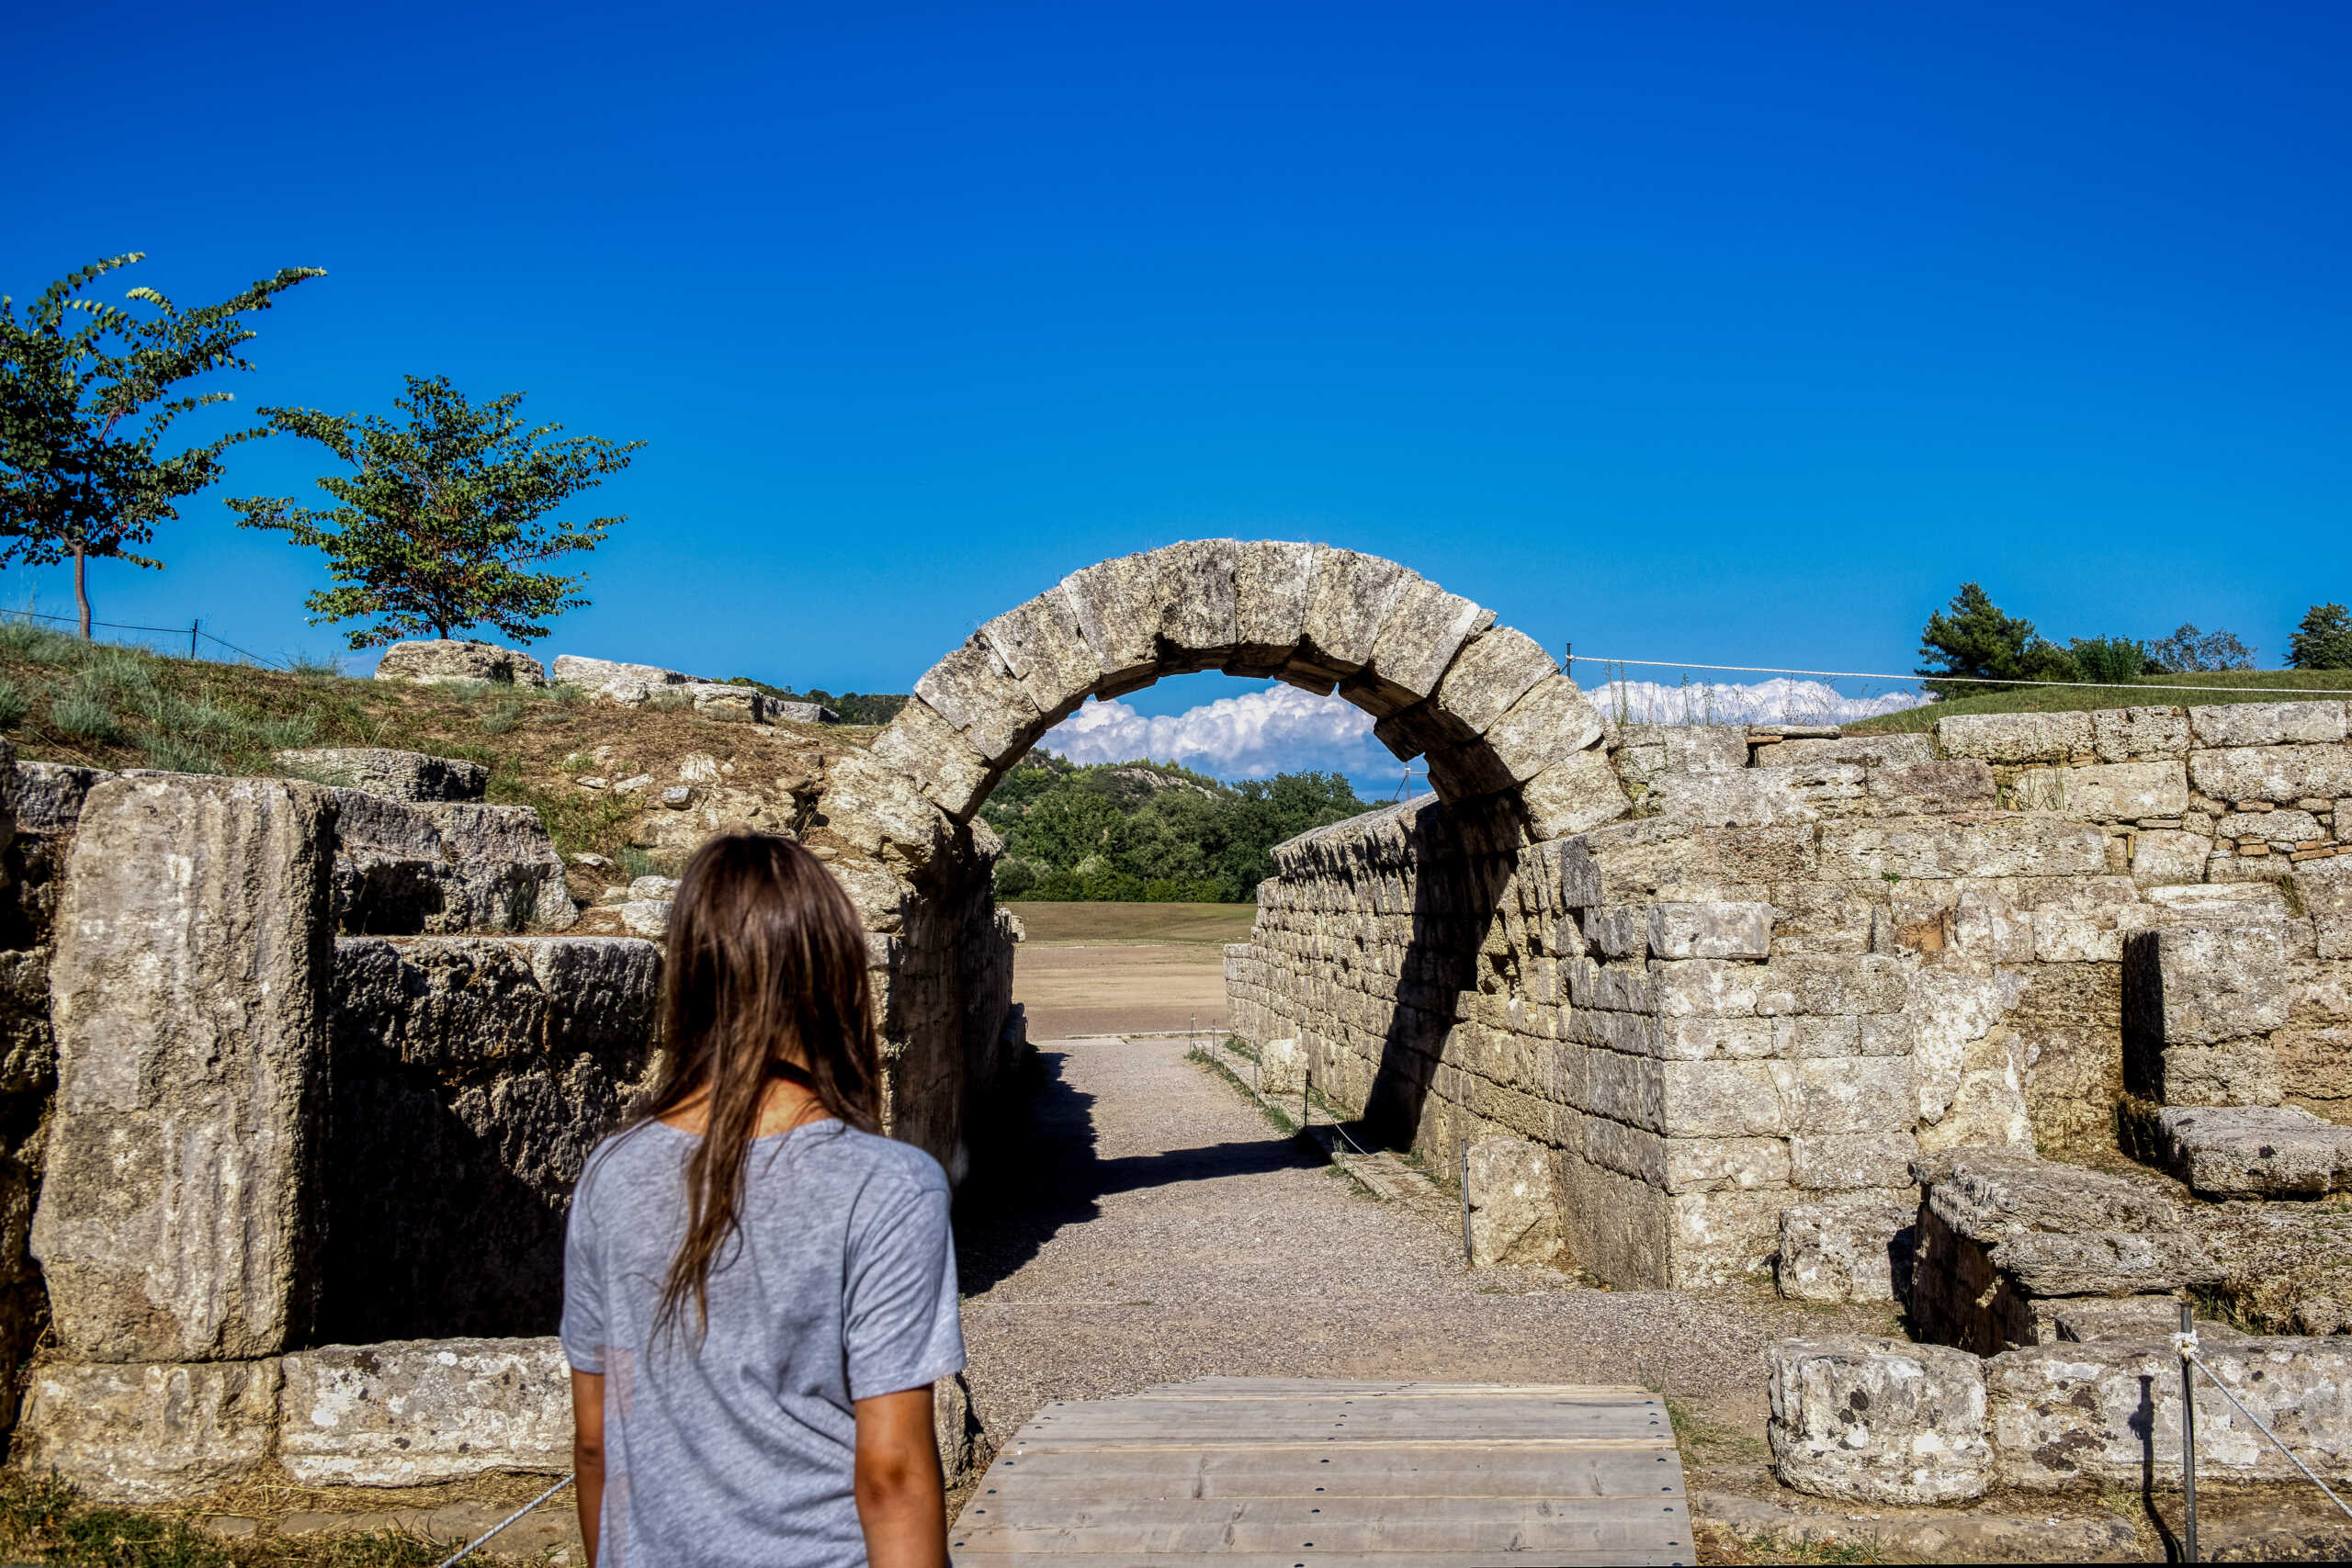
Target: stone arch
{"type": "Point", "coordinates": [1509, 739]}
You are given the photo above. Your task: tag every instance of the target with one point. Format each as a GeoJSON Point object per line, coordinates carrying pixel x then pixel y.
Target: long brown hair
{"type": "Point", "coordinates": [765, 974]}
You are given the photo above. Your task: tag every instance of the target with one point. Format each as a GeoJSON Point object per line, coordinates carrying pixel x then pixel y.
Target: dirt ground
{"type": "Point", "coordinates": [1132, 968]}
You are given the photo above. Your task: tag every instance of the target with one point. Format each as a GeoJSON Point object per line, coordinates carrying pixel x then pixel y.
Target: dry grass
{"type": "Point", "coordinates": [1092, 924]}
{"type": "Point", "coordinates": [2277, 685]}
{"type": "Point", "coordinates": [107, 706]}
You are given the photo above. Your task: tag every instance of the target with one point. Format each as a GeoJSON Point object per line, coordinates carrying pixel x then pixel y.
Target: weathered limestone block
{"type": "Point", "coordinates": [1046, 649]}
{"type": "Point", "coordinates": [2145, 734]}
{"type": "Point", "coordinates": [2083, 1320]}
{"type": "Point", "coordinates": [1710, 930]}
{"type": "Point", "coordinates": [2167, 855]}
{"type": "Point", "coordinates": [397, 775]}
{"type": "Point", "coordinates": [2000, 1230]}
{"type": "Point", "coordinates": [416, 1412]}
{"type": "Point", "coordinates": [1878, 1420]}
{"type": "Point", "coordinates": [2199, 986]}
{"type": "Point", "coordinates": [1514, 1215]}
{"type": "Point", "coordinates": [1550, 724]}
{"type": "Point", "coordinates": [2324, 889]}
{"type": "Point", "coordinates": [2266, 724]}
{"type": "Point", "coordinates": [2240, 1073]}
{"type": "Point", "coordinates": [1197, 614]}
{"type": "Point", "coordinates": [409, 866]}
{"type": "Point", "coordinates": [2110, 792]}
{"type": "Point", "coordinates": [1117, 606]}
{"type": "Point", "coordinates": [193, 954]}
{"type": "Point", "coordinates": [28, 1044]}
{"type": "Point", "coordinates": [1282, 1066]}
{"type": "Point", "coordinates": [1759, 797]}
{"type": "Point", "coordinates": [1850, 1248]}
{"type": "Point", "coordinates": [1873, 750]}
{"type": "Point", "coordinates": [1424, 628]}
{"type": "Point", "coordinates": [2285, 827]}
{"type": "Point", "coordinates": [2074, 1414]}
{"type": "Point", "coordinates": [1924, 848]}
{"type": "Point", "coordinates": [1927, 788]}
{"type": "Point", "coordinates": [724, 702]}
{"type": "Point", "coordinates": [1719, 1238]}
{"type": "Point", "coordinates": [147, 1434]}
{"type": "Point", "coordinates": [2277, 1151]}
{"type": "Point", "coordinates": [876, 811]}
{"type": "Point", "coordinates": [435, 661]}
{"type": "Point", "coordinates": [1837, 1162]}
{"type": "Point", "coordinates": [941, 763]}
{"type": "Point", "coordinates": [612, 677]}
{"type": "Point", "coordinates": [2282, 774]}
{"type": "Point", "coordinates": [972, 690]}
{"type": "Point", "coordinates": [1349, 596]}
{"type": "Point", "coordinates": [1573, 795]}
{"type": "Point", "coordinates": [1494, 670]}
{"type": "Point", "coordinates": [1272, 582]}
{"type": "Point", "coordinates": [2015, 736]}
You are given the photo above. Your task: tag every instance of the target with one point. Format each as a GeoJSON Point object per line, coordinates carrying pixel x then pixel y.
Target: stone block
{"type": "Point", "coordinates": [2324, 889]}
{"type": "Point", "coordinates": [1118, 611]}
{"type": "Point", "coordinates": [1720, 1238]}
{"type": "Point", "coordinates": [406, 867]}
{"type": "Point", "coordinates": [1196, 615]}
{"type": "Point", "coordinates": [1927, 788]}
{"type": "Point", "coordinates": [1930, 848]}
{"type": "Point", "coordinates": [1719, 1099]}
{"type": "Point", "coordinates": [2113, 792]}
{"type": "Point", "coordinates": [1710, 930]}
{"type": "Point", "coordinates": [1855, 1247]}
{"type": "Point", "coordinates": [941, 763]}
{"type": "Point", "coordinates": [1494, 670]}
{"type": "Point", "coordinates": [148, 1434]}
{"type": "Point", "coordinates": [1273, 582]}
{"type": "Point", "coordinates": [2240, 1072]}
{"type": "Point", "coordinates": [1041, 643]}
{"type": "Point", "coordinates": [2066, 1415]}
{"type": "Point", "coordinates": [2163, 856]}
{"type": "Point", "coordinates": [2281, 774]}
{"type": "Point", "coordinates": [1424, 628]}
{"type": "Point", "coordinates": [433, 661]}
{"type": "Point", "coordinates": [1573, 795]}
{"type": "Point", "coordinates": [2287, 827]}
{"type": "Point", "coordinates": [1759, 797]}
{"type": "Point", "coordinates": [1872, 751]}
{"type": "Point", "coordinates": [1878, 1420]}
{"type": "Point", "coordinates": [2268, 724]}
{"type": "Point", "coordinates": [1550, 723]}
{"type": "Point", "coordinates": [1514, 1215]}
{"type": "Point", "coordinates": [397, 775]}
{"type": "Point", "coordinates": [724, 702]}
{"type": "Point", "coordinates": [1862, 1094]}
{"type": "Point", "coordinates": [419, 1412]}
{"type": "Point", "coordinates": [2085, 1320]}
{"type": "Point", "coordinates": [2011, 738]}
{"type": "Point", "coordinates": [1837, 1162]}
{"type": "Point", "coordinates": [606, 676]}
{"type": "Point", "coordinates": [2199, 986]}
{"type": "Point", "coordinates": [1719, 1165]}
{"type": "Point", "coordinates": [2269, 1151]}
{"type": "Point", "coordinates": [1348, 600]}
{"type": "Point", "coordinates": [2131, 735]}
{"type": "Point", "coordinates": [1282, 1066]}
{"type": "Point", "coordinates": [977, 695]}
{"type": "Point", "coordinates": [193, 954]}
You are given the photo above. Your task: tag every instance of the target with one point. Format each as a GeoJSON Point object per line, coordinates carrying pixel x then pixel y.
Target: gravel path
{"type": "Point", "coordinates": [1159, 1229]}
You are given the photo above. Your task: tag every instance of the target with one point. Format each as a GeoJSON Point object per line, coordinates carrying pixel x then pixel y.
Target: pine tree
{"type": "Point", "coordinates": [2324, 640]}
{"type": "Point", "coordinates": [1974, 638]}
{"type": "Point", "coordinates": [437, 529]}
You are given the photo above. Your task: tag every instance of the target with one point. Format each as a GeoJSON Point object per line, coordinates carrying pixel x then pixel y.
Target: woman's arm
{"type": "Point", "coordinates": [588, 1453]}
{"type": "Point", "coordinates": [901, 1497]}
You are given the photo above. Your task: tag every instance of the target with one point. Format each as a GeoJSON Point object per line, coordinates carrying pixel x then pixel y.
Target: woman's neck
{"type": "Point", "coordinates": [783, 1105]}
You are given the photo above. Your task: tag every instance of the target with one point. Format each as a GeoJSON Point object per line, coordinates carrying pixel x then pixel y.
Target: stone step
{"type": "Point", "coordinates": [2253, 1151]}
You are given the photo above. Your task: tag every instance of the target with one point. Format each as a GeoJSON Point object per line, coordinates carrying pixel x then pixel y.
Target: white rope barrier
{"type": "Point", "coordinates": [475, 1545]}
{"type": "Point", "coordinates": [2280, 692]}
{"type": "Point", "coordinates": [2186, 1345]}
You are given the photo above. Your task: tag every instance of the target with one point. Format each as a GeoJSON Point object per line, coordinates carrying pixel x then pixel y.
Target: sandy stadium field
{"type": "Point", "coordinates": [1132, 968]}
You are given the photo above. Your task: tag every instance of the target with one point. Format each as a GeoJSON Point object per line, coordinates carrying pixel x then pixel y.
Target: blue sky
{"type": "Point", "coordinates": [1735, 334]}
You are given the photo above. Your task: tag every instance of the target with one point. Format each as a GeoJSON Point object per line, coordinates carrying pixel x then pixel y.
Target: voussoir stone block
{"type": "Point", "coordinates": [194, 953]}
{"type": "Point", "coordinates": [1878, 1420]}
{"type": "Point", "coordinates": [1273, 582]}
{"type": "Point", "coordinates": [1494, 670]}
{"type": "Point", "coordinates": [1550, 723]}
{"type": "Point", "coordinates": [1573, 795]}
{"type": "Point", "coordinates": [416, 1412]}
{"type": "Point", "coordinates": [1349, 596]}
{"type": "Point", "coordinates": [1118, 611]}
{"type": "Point", "coordinates": [1419, 637]}
{"type": "Point", "coordinates": [147, 1434]}
{"type": "Point", "coordinates": [1197, 614]}
{"type": "Point", "coordinates": [934, 754]}
{"type": "Point", "coordinates": [1046, 649]}
{"type": "Point", "coordinates": [975, 693]}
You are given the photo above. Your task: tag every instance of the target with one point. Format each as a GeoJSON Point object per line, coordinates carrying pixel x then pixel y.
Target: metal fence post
{"type": "Point", "coordinates": [194, 627]}
{"type": "Point", "coordinates": [2189, 1438]}
{"type": "Point", "coordinates": [1306, 1082]}
{"type": "Point", "coordinates": [1469, 1254]}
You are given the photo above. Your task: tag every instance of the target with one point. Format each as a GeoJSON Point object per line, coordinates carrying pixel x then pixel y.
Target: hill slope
{"type": "Point", "coordinates": [2268, 687]}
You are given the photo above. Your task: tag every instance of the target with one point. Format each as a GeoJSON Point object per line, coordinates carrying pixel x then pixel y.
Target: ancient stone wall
{"type": "Point", "coordinates": [1805, 960]}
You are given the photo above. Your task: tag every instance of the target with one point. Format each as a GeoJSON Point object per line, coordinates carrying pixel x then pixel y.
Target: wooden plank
{"type": "Point", "coordinates": [1384, 1472]}
{"type": "Point", "coordinates": [1360, 1524]}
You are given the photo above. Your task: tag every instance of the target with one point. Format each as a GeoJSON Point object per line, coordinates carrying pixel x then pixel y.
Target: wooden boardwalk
{"type": "Point", "coordinates": [1275, 1472]}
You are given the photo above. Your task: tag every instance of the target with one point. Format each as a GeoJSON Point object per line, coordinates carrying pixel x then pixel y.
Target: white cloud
{"type": "Point", "coordinates": [1280, 729]}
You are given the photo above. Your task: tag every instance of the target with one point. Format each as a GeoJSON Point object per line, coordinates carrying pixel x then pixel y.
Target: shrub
{"type": "Point", "coordinates": [2324, 640]}
{"type": "Point", "coordinates": [2111, 661]}
{"type": "Point", "coordinates": [2189, 651]}
{"type": "Point", "coordinates": [84, 716]}
{"type": "Point", "coordinates": [175, 755]}
{"type": "Point", "coordinates": [14, 703]}
{"type": "Point", "coordinates": [504, 717]}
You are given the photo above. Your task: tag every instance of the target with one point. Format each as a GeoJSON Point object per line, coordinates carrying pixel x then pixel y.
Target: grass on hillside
{"type": "Point", "coordinates": [43, 1520]}
{"type": "Point", "coordinates": [1103, 922]}
{"type": "Point", "coordinates": [2275, 685]}
{"type": "Point", "coordinates": [115, 705]}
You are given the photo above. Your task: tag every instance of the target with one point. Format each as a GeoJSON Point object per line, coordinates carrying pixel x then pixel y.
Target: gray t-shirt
{"type": "Point", "coordinates": [838, 1286]}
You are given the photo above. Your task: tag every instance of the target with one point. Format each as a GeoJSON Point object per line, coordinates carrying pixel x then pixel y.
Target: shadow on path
{"type": "Point", "coordinates": [1046, 1175]}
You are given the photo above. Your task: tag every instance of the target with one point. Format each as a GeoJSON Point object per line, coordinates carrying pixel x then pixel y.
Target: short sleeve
{"type": "Point", "coordinates": [900, 1328]}
{"type": "Point", "coordinates": [584, 1290]}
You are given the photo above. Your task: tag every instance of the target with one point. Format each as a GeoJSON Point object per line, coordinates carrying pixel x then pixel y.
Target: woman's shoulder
{"type": "Point", "coordinates": [881, 1162]}
{"type": "Point", "coordinates": [623, 1154]}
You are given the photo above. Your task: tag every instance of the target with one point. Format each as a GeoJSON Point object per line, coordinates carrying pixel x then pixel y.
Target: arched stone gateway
{"type": "Point", "coordinates": [1508, 737]}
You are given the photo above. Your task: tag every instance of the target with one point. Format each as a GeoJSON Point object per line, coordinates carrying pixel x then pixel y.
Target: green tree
{"type": "Point", "coordinates": [2324, 640]}
{"type": "Point", "coordinates": [2111, 661]}
{"type": "Point", "coordinates": [435, 531]}
{"type": "Point", "coordinates": [1974, 638]}
{"type": "Point", "coordinates": [84, 413]}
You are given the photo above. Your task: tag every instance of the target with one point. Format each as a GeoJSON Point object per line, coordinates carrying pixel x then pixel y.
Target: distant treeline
{"type": "Point", "coordinates": [855, 707]}
{"type": "Point", "coordinates": [1150, 832]}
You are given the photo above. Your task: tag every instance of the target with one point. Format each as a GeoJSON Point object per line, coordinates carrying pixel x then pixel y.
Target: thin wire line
{"type": "Point", "coordinates": [2190, 1356]}
{"type": "Point", "coordinates": [1967, 680]}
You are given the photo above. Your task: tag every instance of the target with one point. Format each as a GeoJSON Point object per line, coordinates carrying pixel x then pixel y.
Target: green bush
{"type": "Point", "coordinates": [2111, 661]}
{"type": "Point", "coordinates": [84, 716]}
{"type": "Point", "coordinates": [2322, 640]}
{"type": "Point", "coordinates": [14, 703]}
{"type": "Point", "coordinates": [175, 755]}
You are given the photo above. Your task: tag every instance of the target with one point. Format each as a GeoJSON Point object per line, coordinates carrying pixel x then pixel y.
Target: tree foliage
{"type": "Point", "coordinates": [1972, 638]}
{"type": "Point", "coordinates": [437, 529]}
{"type": "Point", "coordinates": [88, 393]}
{"type": "Point", "coordinates": [2189, 651]}
{"type": "Point", "coordinates": [2322, 640]}
{"type": "Point", "coordinates": [1150, 832]}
